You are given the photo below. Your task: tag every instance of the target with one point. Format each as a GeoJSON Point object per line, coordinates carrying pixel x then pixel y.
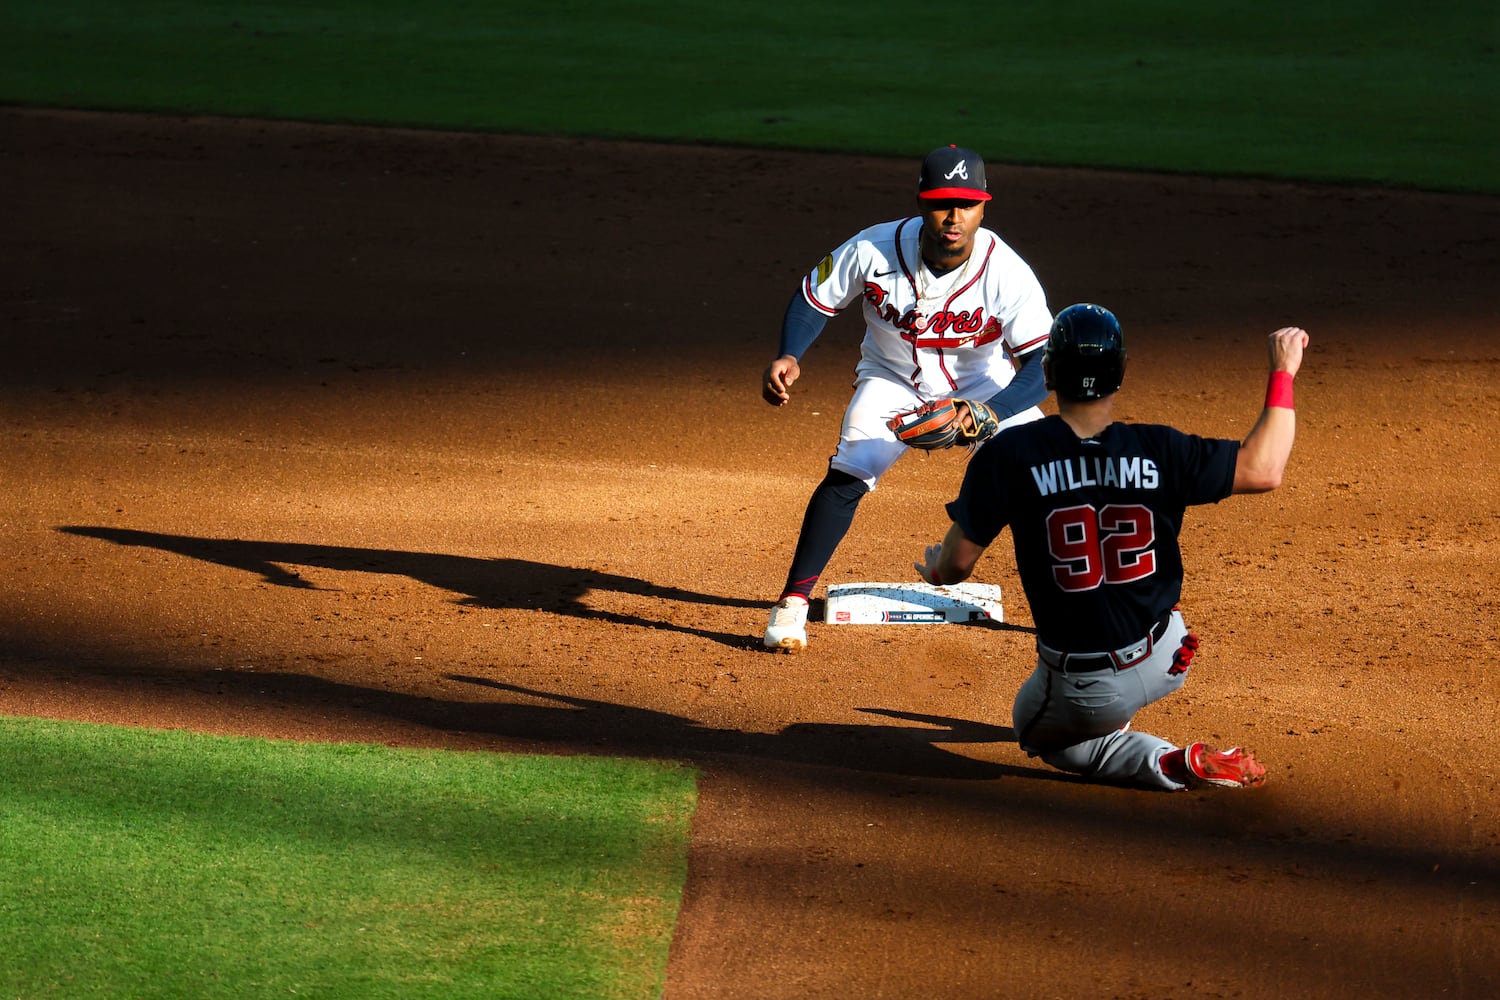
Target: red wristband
{"type": "Point", "coordinates": [1279, 390]}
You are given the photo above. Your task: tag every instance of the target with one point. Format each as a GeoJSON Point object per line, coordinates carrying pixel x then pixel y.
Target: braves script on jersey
{"type": "Point", "coordinates": [1094, 522]}
{"type": "Point", "coordinates": [936, 332]}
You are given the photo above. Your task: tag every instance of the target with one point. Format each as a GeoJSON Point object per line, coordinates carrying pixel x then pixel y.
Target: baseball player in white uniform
{"type": "Point", "coordinates": [951, 312]}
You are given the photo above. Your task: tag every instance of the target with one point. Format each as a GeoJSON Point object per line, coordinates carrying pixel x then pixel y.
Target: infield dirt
{"type": "Point", "coordinates": [456, 440]}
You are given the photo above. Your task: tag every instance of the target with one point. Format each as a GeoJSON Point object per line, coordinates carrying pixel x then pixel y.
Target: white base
{"type": "Point", "coordinates": [911, 603]}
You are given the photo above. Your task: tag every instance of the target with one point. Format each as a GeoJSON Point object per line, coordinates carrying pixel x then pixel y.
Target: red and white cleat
{"type": "Point", "coordinates": [1232, 768]}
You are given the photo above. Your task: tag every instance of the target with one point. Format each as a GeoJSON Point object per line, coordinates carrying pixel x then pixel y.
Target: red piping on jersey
{"type": "Point", "coordinates": [901, 257]}
{"type": "Point", "coordinates": [986, 334]}
{"type": "Point", "coordinates": [1029, 346]}
{"type": "Point", "coordinates": [807, 293]}
{"type": "Point", "coordinates": [989, 333]}
{"type": "Point", "coordinates": [977, 276]}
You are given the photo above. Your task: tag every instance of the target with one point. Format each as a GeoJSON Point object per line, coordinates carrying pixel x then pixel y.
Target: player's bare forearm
{"type": "Point", "coordinates": [950, 561]}
{"type": "Point", "coordinates": [778, 379]}
{"type": "Point", "coordinates": [1265, 451]}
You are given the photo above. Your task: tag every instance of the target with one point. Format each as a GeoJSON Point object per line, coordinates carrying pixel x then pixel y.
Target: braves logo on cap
{"type": "Point", "coordinates": [952, 173]}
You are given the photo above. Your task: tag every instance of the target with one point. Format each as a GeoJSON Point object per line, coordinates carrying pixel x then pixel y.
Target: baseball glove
{"type": "Point", "coordinates": [941, 424]}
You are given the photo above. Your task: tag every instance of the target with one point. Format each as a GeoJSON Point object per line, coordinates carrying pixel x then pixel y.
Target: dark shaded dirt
{"type": "Point", "coordinates": [452, 440]}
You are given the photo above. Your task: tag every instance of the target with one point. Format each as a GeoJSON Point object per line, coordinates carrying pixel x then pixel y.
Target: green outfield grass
{"type": "Point", "coordinates": [165, 864]}
{"type": "Point", "coordinates": [1374, 91]}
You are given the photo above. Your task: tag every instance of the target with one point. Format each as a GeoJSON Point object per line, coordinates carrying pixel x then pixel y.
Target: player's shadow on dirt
{"type": "Point", "coordinates": [486, 583]}
{"type": "Point", "coordinates": [909, 750]}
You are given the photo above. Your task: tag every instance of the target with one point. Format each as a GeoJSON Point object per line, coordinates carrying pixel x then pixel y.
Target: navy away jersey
{"type": "Point", "coordinates": [1094, 522]}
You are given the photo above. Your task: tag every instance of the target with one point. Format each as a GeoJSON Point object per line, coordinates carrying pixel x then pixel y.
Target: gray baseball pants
{"type": "Point", "coordinates": [1074, 710]}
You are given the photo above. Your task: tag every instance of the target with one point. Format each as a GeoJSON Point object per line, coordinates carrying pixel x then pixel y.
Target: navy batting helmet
{"type": "Point", "coordinates": [1085, 354]}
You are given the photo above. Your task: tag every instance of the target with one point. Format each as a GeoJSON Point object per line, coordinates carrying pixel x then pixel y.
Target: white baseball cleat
{"type": "Point", "coordinates": [787, 630]}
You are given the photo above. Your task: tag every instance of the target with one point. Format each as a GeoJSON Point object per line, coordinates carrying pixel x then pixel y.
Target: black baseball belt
{"type": "Point", "coordinates": [1123, 658]}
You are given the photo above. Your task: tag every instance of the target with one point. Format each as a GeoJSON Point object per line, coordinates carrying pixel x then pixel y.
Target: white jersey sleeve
{"type": "Point", "coordinates": [841, 277]}
{"type": "Point", "coordinates": [1024, 315]}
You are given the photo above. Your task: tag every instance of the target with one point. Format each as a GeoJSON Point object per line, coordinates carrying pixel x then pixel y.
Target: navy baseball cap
{"type": "Point", "coordinates": [952, 173]}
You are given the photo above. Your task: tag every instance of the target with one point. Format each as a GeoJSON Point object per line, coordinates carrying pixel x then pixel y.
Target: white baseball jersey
{"type": "Point", "coordinates": [935, 332]}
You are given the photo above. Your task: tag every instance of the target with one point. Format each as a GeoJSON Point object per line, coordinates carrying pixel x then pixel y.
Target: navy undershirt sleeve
{"type": "Point", "coordinates": [800, 326]}
{"type": "Point", "coordinates": [1028, 388]}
